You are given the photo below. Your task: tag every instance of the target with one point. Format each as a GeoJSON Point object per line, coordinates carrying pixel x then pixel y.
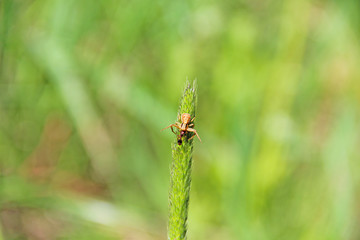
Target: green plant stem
{"type": "Point", "coordinates": [180, 179]}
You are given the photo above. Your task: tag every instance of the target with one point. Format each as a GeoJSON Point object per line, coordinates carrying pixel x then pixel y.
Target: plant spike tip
{"type": "Point", "coordinates": [180, 179]}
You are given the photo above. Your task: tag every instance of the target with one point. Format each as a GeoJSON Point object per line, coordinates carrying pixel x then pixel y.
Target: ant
{"type": "Point", "coordinates": [179, 137]}
{"type": "Point", "coordinates": [179, 141]}
{"type": "Point", "coordinates": [184, 126]}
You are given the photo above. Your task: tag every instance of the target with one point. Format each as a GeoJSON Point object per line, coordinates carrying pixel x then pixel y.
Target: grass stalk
{"type": "Point", "coordinates": [180, 179]}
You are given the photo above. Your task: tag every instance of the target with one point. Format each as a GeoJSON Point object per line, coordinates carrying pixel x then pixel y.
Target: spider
{"type": "Point", "coordinates": [184, 126]}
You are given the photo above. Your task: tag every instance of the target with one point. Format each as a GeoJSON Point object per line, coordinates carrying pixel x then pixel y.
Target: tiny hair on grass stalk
{"type": "Point", "coordinates": [180, 173]}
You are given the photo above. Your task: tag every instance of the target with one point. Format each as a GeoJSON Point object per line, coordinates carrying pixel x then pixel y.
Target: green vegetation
{"type": "Point", "coordinates": [86, 86]}
{"type": "Point", "coordinates": [180, 181]}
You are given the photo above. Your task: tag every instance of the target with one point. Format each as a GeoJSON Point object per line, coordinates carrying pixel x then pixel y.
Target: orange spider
{"type": "Point", "coordinates": [184, 126]}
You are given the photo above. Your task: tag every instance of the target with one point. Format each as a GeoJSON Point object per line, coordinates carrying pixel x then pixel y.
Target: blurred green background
{"type": "Point", "coordinates": [86, 87]}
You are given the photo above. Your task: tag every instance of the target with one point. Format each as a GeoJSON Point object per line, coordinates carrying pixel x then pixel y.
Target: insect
{"type": "Point", "coordinates": [184, 126]}
{"type": "Point", "coordinates": [179, 137]}
{"type": "Point", "coordinates": [179, 140]}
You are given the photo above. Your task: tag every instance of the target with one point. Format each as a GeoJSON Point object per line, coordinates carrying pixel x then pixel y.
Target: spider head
{"type": "Point", "coordinates": [185, 118]}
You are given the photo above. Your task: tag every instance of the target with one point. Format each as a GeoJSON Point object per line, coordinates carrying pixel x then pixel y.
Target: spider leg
{"type": "Point", "coordinates": [194, 131]}
{"type": "Point", "coordinates": [192, 119]}
{"type": "Point", "coordinates": [172, 129]}
{"type": "Point", "coordinates": [191, 137]}
{"type": "Point", "coordinates": [171, 125]}
{"type": "Point", "coordinates": [191, 125]}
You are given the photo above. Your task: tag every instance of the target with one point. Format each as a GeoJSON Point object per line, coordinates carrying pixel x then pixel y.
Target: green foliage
{"type": "Point", "coordinates": [85, 87]}
{"type": "Point", "coordinates": [180, 181]}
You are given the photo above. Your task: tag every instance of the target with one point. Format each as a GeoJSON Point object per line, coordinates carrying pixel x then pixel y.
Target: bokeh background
{"type": "Point", "coordinates": [86, 87]}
